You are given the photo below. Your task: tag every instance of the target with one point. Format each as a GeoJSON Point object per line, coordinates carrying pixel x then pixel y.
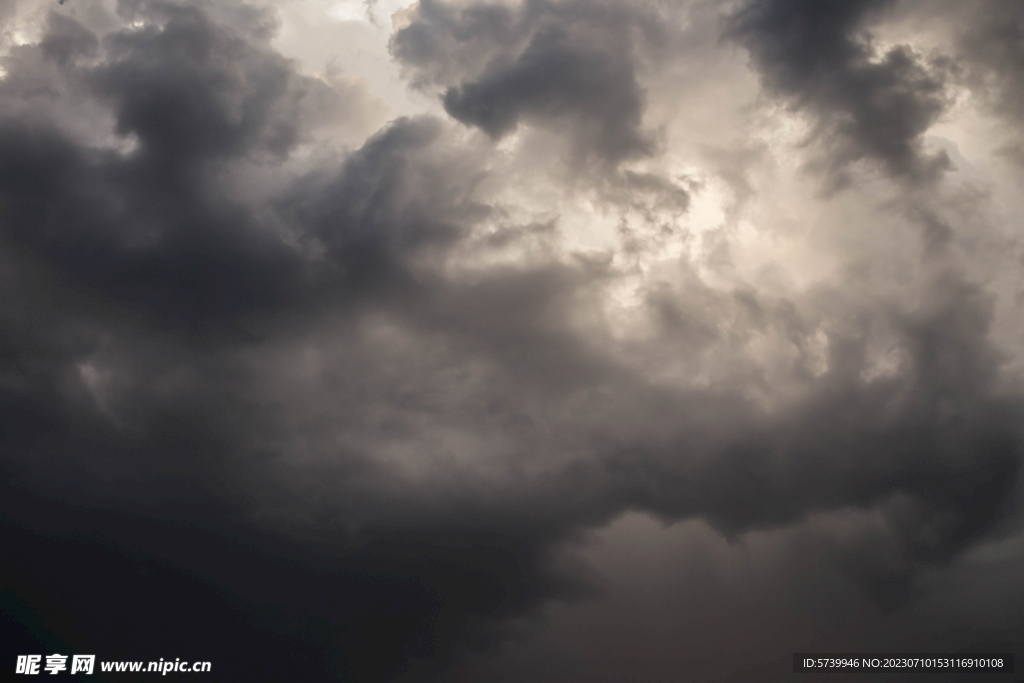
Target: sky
{"type": "Point", "coordinates": [585, 341]}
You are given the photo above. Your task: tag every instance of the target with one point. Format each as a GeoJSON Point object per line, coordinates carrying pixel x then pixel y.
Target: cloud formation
{"type": "Point", "coordinates": [573, 66]}
{"type": "Point", "coordinates": [307, 407]}
{"type": "Point", "coordinates": [867, 105]}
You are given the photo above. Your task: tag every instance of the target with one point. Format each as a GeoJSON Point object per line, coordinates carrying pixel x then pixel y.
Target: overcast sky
{"type": "Point", "coordinates": [547, 341]}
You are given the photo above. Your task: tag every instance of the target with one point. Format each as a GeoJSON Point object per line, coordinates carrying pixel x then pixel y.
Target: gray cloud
{"type": "Point", "coordinates": [739, 608]}
{"type": "Point", "coordinates": [992, 41]}
{"type": "Point", "coordinates": [570, 65]}
{"type": "Point", "coordinates": [867, 107]}
{"type": "Point", "coordinates": [550, 80]}
{"type": "Point", "coordinates": [351, 419]}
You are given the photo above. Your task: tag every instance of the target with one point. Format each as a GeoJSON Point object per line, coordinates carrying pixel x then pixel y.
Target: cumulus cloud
{"type": "Point", "coordinates": [993, 42]}
{"type": "Point", "coordinates": [574, 66]}
{"type": "Point", "coordinates": [867, 105]}
{"type": "Point", "coordinates": [310, 397]}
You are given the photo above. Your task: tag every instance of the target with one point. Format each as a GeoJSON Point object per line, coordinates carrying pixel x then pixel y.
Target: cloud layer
{"type": "Point", "coordinates": [308, 396]}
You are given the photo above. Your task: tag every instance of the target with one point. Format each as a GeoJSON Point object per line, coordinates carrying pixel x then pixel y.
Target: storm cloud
{"type": "Point", "coordinates": [573, 66]}
{"type": "Point", "coordinates": [313, 392]}
{"type": "Point", "coordinates": [868, 103]}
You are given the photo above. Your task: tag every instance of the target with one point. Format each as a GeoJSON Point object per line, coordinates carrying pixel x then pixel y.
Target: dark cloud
{"type": "Point", "coordinates": [570, 65]}
{"type": "Point", "coordinates": [153, 226]}
{"type": "Point", "coordinates": [67, 39]}
{"type": "Point", "coordinates": [136, 449]}
{"type": "Point", "coordinates": [389, 199]}
{"type": "Point", "coordinates": [220, 98]}
{"type": "Point", "coordinates": [994, 41]}
{"type": "Point", "coordinates": [551, 80]}
{"type": "Point", "coordinates": [866, 106]}
{"type": "Point", "coordinates": [860, 442]}
{"type": "Point", "coordinates": [326, 427]}
{"type": "Point", "coordinates": [682, 602]}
